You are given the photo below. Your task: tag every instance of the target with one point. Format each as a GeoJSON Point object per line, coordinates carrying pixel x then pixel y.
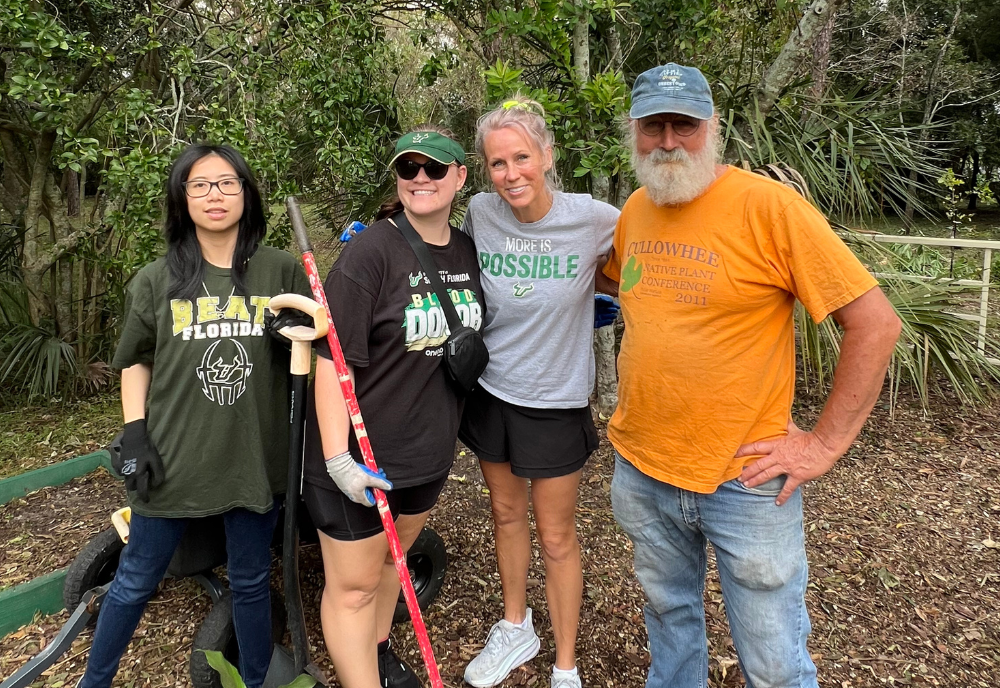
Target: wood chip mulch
{"type": "Point", "coordinates": [45, 530]}
{"type": "Point", "coordinates": [902, 539]}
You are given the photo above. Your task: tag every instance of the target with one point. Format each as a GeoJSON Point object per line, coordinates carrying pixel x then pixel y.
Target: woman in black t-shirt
{"type": "Point", "coordinates": [392, 332]}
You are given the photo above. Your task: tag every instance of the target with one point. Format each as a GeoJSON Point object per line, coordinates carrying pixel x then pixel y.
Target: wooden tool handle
{"type": "Point", "coordinates": [301, 335]}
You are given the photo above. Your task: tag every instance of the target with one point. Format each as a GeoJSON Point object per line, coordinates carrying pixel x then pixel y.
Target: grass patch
{"type": "Point", "coordinates": [35, 436]}
{"type": "Point", "coordinates": [984, 224]}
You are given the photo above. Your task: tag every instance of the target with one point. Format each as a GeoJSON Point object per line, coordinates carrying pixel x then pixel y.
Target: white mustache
{"type": "Point", "coordinates": [659, 156]}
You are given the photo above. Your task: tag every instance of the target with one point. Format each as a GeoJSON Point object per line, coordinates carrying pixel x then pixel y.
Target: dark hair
{"type": "Point", "coordinates": [187, 266]}
{"type": "Point", "coordinates": [392, 205]}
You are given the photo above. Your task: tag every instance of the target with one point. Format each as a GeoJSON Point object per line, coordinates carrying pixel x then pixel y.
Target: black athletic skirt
{"type": "Point", "coordinates": [538, 443]}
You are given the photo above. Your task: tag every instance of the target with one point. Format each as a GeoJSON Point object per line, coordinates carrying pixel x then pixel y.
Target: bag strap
{"type": "Point", "coordinates": [430, 269]}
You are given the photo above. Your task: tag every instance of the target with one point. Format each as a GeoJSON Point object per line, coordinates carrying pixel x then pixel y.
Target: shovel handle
{"type": "Point", "coordinates": [301, 335]}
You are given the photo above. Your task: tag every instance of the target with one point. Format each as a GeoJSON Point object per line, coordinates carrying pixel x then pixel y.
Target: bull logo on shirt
{"type": "Point", "coordinates": [224, 373]}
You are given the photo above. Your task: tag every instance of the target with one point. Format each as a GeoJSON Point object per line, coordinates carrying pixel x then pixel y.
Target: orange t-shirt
{"type": "Point", "coordinates": [708, 291]}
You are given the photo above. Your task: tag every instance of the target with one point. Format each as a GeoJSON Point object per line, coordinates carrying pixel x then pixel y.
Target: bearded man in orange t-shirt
{"type": "Point", "coordinates": [708, 261]}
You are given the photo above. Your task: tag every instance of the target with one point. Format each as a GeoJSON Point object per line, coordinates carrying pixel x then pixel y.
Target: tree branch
{"type": "Point", "coordinates": [942, 106]}
{"type": "Point", "coordinates": [932, 75]}
{"type": "Point", "coordinates": [782, 70]}
{"type": "Point", "coordinates": [17, 128]}
{"type": "Point", "coordinates": [95, 107]}
{"type": "Point", "coordinates": [54, 252]}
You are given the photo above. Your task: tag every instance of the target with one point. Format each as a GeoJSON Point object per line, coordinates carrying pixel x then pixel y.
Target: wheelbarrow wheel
{"type": "Point", "coordinates": [217, 633]}
{"type": "Point", "coordinates": [427, 560]}
{"type": "Point", "coordinates": [94, 566]}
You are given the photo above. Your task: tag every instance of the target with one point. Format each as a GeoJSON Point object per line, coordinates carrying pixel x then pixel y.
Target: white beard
{"type": "Point", "coordinates": [676, 177]}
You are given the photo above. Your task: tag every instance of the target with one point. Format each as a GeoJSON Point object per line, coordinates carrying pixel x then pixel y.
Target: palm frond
{"type": "Point", "coordinates": [34, 359]}
{"type": "Point", "coordinates": [933, 338]}
{"type": "Point", "coordinates": [856, 156]}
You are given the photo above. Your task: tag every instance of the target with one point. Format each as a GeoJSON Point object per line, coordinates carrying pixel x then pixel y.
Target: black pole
{"type": "Point", "coordinates": [290, 548]}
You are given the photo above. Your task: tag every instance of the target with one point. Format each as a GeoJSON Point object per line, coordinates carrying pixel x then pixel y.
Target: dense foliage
{"type": "Point", "coordinates": [870, 100]}
{"type": "Point", "coordinates": [96, 98]}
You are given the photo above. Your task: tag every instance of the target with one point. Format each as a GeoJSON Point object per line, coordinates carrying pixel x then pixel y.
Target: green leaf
{"type": "Point", "coordinates": [301, 681]}
{"type": "Point", "coordinates": [228, 674]}
{"type": "Point", "coordinates": [631, 274]}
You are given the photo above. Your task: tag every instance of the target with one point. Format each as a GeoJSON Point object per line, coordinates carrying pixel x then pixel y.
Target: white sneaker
{"type": "Point", "coordinates": [565, 681]}
{"type": "Point", "coordinates": [507, 647]}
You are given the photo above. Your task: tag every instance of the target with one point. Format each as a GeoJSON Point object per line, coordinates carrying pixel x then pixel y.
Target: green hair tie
{"type": "Point", "coordinates": [513, 104]}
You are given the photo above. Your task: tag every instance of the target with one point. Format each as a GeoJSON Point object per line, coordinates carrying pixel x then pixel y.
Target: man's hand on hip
{"type": "Point", "coordinates": [799, 455]}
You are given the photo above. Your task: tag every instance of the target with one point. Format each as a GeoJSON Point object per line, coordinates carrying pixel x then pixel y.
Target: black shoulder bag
{"type": "Point", "coordinates": [465, 353]}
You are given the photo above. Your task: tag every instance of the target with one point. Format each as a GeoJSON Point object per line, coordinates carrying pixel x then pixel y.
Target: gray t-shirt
{"type": "Point", "coordinates": [538, 279]}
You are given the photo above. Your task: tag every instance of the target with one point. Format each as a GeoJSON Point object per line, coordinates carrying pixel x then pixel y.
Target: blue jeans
{"type": "Point", "coordinates": [760, 550]}
{"type": "Point", "coordinates": [144, 560]}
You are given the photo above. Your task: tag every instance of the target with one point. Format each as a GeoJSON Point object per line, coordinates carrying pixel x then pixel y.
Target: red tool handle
{"type": "Point", "coordinates": [347, 388]}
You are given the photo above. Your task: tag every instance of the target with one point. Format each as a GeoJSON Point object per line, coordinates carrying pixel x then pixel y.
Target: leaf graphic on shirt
{"type": "Point", "coordinates": [631, 274]}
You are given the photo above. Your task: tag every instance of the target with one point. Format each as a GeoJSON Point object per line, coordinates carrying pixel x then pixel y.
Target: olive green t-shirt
{"type": "Point", "coordinates": [218, 402]}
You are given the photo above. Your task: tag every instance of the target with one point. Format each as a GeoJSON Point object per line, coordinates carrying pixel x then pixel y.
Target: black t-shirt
{"type": "Point", "coordinates": [392, 331]}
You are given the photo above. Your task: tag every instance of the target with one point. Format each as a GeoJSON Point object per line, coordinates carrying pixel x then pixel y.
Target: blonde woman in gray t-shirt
{"type": "Point", "coordinates": [529, 419]}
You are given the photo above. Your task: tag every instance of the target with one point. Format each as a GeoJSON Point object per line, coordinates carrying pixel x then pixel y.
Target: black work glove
{"type": "Point", "coordinates": [286, 317]}
{"type": "Point", "coordinates": [138, 462]}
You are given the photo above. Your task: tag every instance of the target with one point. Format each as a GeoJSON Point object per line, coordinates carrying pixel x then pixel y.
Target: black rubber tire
{"type": "Point", "coordinates": [428, 563]}
{"type": "Point", "coordinates": [217, 633]}
{"type": "Point", "coordinates": [94, 566]}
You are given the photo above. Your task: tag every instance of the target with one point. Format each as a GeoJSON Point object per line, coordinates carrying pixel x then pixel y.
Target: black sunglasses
{"type": "Point", "coordinates": [409, 169]}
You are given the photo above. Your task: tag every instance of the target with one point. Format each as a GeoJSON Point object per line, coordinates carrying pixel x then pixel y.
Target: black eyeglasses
{"type": "Point", "coordinates": [409, 169]}
{"type": "Point", "coordinates": [682, 126]}
{"type": "Point", "coordinates": [201, 188]}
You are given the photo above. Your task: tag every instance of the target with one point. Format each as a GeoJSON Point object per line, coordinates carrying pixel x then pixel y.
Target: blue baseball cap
{"type": "Point", "coordinates": [672, 88]}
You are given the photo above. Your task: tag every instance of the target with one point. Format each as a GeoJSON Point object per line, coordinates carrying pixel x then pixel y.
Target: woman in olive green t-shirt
{"type": "Point", "coordinates": [204, 395]}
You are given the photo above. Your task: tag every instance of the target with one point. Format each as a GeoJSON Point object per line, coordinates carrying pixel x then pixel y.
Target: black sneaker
{"type": "Point", "coordinates": [392, 671]}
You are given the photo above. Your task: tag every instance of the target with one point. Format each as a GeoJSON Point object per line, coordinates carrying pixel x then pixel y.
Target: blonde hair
{"type": "Point", "coordinates": [527, 115]}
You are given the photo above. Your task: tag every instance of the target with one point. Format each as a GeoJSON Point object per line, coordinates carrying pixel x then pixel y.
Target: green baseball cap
{"type": "Point", "coordinates": [432, 144]}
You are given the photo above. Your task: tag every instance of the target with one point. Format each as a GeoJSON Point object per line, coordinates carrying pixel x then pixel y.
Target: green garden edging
{"type": "Point", "coordinates": [18, 605]}
{"type": "Point", "coordinates": [56, 474]}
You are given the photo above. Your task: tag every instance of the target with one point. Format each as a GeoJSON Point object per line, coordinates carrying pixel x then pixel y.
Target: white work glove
{"type": "Point", "coordinates": [356, 480]}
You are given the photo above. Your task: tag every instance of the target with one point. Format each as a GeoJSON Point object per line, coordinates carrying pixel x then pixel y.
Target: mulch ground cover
{"type": "Point", "coordinates": [45, 530]}
{"type": "Point", "coordinates": [902, 539]}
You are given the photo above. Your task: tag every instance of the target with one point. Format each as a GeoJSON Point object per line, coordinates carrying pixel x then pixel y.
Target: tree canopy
{"type": "Point", "coordinates": [869, 100]}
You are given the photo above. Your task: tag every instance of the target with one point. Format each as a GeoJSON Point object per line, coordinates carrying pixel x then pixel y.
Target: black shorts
{"type": "Point", "coordinates": [341, 519]}
{"type": "Point", "coordinates": [538, 443]}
